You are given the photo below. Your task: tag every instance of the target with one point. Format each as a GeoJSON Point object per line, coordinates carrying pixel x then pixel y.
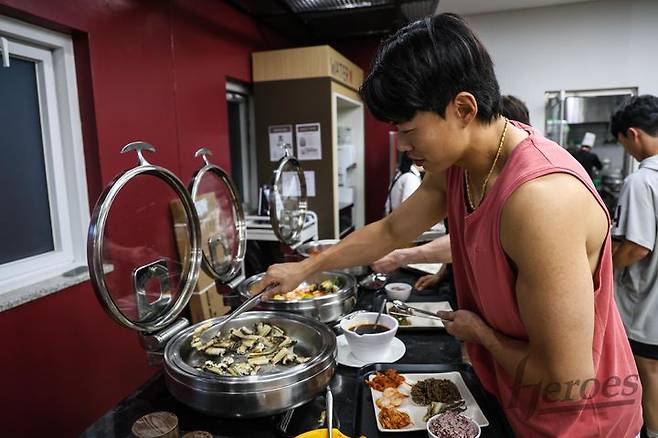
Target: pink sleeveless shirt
{"type": "Point", "coordinates": [485, 284]}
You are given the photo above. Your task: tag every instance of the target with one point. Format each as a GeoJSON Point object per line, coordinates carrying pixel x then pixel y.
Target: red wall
{"type": "Point", "coordinates": [361, 51]}
{"type": "Point", "coordinates": [153, 70]}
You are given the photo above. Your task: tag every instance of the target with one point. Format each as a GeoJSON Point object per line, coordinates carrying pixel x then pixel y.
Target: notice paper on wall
{"type": "Point", "coordinates": [280, 136]}
{"type": "Point", "coordinates": [309, 141]}
{"type": "Point", "coordinates": [290, 183]}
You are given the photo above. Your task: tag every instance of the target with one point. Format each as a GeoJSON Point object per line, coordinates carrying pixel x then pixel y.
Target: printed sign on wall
{"type": "Point", "coordinates": [309, 142]}
{"type": "Point", "coordinates": [280, 135]}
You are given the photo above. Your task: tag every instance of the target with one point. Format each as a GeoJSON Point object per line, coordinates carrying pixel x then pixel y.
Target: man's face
{"type": "Point", "coordinates": [631, 145]}
{"type": "Point", "coordinates": [432, 141]}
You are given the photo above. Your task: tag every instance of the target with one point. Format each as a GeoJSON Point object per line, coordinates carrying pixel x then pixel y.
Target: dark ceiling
{"type": "Point", "coordinates": [321, 21]}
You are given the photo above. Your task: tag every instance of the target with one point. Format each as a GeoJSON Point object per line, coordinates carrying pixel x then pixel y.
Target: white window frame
{"type": "Point", "coordinates": [63, 157]}
{"type": "Point", "coordinates": [249, 168]}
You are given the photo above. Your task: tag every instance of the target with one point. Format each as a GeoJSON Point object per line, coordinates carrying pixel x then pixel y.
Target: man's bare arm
{"type": "Point", "coordinates": [436, 251]}
{"type": "Point", "coordinates": [420, 211]}
{"type": "Point", "coordinates": [627, 253]}
{"type": "Point", "coordinates": [554, 289]}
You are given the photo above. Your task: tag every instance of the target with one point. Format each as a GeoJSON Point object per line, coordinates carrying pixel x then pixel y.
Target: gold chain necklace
{"type": "Point", "coordinates": [486, 180]}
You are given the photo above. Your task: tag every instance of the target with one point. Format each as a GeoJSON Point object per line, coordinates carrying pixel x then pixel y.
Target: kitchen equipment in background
{"type": "Point", "coordinates": [316, 84]}
{"type": "Point", "coordinates": [570, 114]}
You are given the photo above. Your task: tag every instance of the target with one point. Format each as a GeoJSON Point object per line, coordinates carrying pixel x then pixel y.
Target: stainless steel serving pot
{"type": "Point", "coordinates": [314, 247]}
{"type": "Point", "coordinates": [272, 392]}
{"type": "Point", "coordinates": [327, 308]}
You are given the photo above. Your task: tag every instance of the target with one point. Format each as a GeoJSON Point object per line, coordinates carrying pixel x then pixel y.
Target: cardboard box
{"type": "Point", "coordinates": [206, 302]}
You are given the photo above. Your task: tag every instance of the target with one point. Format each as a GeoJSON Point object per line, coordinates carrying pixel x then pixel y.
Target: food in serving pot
{"type": "Point", "coordinates": [307, 292]}
{"type": "Point", "coordinates": [452, 425]}
{"type": "Point", "coordinates": [434, 390]}
{"type": "Point", "coordinates": [391, 418]}
{"type": "Point", "coordinates": [245, 351]}
{"type": "Point", "coordinates": [391, 398]}
{"type": "Point", "coordinates": [388, 379]}
{"type": "Point", "coordinates": [436, 408]}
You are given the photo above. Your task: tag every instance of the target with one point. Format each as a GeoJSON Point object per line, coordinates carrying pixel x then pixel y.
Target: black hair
{"type": "Point", "coordinates": [515, 109]}
{"type": "Point", "coordinates": [424, 65]}
{"type": "Point", "coordinates": [639, 112]}
{"type": "Point", "coordinates": [405, 163]}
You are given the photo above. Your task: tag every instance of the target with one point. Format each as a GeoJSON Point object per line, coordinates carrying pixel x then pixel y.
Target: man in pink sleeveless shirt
{"type": "Point", "coordinates": [530, 239]}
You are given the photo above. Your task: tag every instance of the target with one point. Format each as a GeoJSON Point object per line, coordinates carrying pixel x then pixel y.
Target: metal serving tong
{"type": "Point", "coordinates": [252, 302]}
{"type": "Point", "coordinates": [410, 309]}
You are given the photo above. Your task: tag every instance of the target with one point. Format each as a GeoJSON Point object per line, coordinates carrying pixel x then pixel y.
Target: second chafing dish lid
{"type": "Point", "coordinates": [223, 228]}
{"type": "Point", "coordinates": [288, 201]}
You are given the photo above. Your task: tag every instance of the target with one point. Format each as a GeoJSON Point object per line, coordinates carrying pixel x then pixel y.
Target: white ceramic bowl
{"type": "Point", "coordinates": [398, 291]}
{"type": "Point", "coordinates": [431, 435]}
{"type": "Point", "coordinates": [368, 347]}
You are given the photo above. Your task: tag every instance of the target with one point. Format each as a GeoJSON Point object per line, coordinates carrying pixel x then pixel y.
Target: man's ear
{"type": "Point", "coordinates": [466, 106]}
{"type": "Point", "coordinates": [634, 135]}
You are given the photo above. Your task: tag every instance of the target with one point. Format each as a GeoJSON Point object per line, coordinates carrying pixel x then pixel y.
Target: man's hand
{"type": "Point", "coordinates": [428, 281]}
{"type": "Point", "coordinates": [283, 276]}
{"type": "Point", "coordinates": [464, 325]}
{"type": "Point", "coordinates": [390, 262]}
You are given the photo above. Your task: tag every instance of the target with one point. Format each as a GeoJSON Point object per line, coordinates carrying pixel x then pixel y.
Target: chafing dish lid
{"type": "Point", "coordinates": [221, 217]}
{"type": "Point", "coordinates": [143, 268]}
{"type": "Point", "coordinates": [288, 201]}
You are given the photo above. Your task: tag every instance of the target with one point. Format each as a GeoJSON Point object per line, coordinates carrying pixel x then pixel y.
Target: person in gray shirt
{"type": "Point", "coordinates": [635, 256]}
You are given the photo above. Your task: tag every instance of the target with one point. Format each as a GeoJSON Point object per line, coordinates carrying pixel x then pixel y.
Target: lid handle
{"type": "Point", "coordinates": [204, 153]}
{"type": "Point", "coordinates": [287, 149]}
{"type": "Point", "coordinates": [139, 146]}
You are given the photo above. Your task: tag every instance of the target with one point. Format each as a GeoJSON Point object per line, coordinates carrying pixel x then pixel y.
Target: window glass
{"type": "Point", "coordinates": [25, 224]}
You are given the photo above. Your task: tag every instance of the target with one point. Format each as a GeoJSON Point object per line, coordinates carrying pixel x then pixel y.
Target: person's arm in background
{"type": "Point", "coordinates": [597, 162]}
{"type": "Point", "coordinates": [628, 253]}
{"type": "Point", "coordinates": [436, 251]}
{"type": "Point", "coordinates": [635, 225]}
{"type": "Point", "coordinates": [427, 281]}
{"type": "Point", "coordinates": [419, 212]}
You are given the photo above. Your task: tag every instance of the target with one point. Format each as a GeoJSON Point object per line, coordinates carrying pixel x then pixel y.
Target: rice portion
{"type": "Point", "coordinates": [453, 425]}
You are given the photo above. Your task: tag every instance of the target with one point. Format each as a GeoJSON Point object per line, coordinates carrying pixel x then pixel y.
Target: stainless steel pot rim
{"type": "Point", "coordinates": [174, 360]}
{"type": "Point", "coordinates": [346, 289]}
{"type": "Point", "coordinates": [232, 389]}
{"type": "Point", "coordinates": [303, 249]}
